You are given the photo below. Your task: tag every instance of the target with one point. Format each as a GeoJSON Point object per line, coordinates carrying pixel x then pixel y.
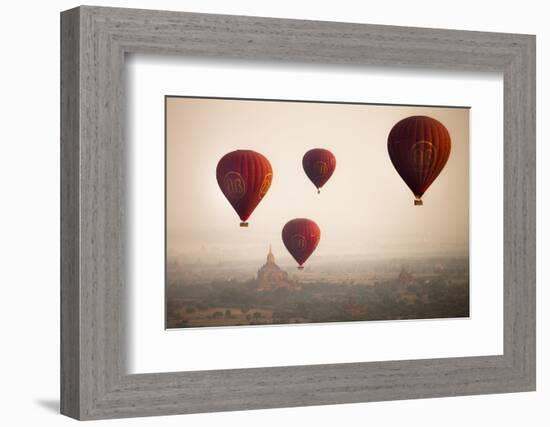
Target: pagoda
{"type": "Point", "coordinates": [271, 277]}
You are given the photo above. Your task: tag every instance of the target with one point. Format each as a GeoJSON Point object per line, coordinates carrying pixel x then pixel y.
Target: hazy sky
{"type": "Point", "coordinates": [364, 209]}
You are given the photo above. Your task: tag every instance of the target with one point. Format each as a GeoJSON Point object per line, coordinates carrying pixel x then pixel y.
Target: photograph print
{"type": "Point", "coordinates": [297, 212]}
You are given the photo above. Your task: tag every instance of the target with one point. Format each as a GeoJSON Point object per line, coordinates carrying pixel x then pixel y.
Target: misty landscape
{"type": "Point", "coordinates": [219, 295]}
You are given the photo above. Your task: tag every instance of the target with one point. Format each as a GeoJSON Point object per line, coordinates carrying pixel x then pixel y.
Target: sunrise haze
{"type": "Point", "coordinates": [364, 210]}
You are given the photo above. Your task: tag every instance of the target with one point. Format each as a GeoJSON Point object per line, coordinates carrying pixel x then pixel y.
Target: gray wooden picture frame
{"type": "Point", "coordinates": [94, 381]}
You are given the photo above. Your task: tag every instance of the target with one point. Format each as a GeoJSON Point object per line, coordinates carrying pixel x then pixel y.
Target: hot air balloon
{"type": "Point", "coordinates": [301, 237]}
{"type": "Point", "coordinates": [419, 148]}
{"type": "Point", "coordinates": [319, 165]}
{"type": "Point", "coordinates": [244, 176]}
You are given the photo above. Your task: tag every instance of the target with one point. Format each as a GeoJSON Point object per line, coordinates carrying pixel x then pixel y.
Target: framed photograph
{"type": "Point", "coordinates": [262, 213]}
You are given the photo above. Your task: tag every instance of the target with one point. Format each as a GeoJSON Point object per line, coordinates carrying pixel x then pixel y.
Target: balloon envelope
{"type": "Point", "coordinates": [244, 176]}
{"type": "Point", "coordinates": [319, 165]}
{"type": "Point", "coordinates": [419, 147]}
{"type": "Point", "coordinates": [301, 236]}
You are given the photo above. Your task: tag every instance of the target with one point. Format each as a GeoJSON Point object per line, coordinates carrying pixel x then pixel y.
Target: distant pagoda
{"type": "Point", "coordinates": [271, 277]}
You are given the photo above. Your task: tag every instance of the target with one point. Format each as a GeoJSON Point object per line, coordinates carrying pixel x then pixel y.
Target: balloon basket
{"type": "Point", "coordinates": [244, 224]}
{"type": "Point", "coordinates": [318, 191]}
{"type": "Point", "coordinates": [418, 202]}
{"type": "Point", "coordinates": [300, 267]}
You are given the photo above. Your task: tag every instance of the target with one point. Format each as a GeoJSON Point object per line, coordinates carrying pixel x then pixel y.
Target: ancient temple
{"type": "Point", "coordinates": [271, 277]}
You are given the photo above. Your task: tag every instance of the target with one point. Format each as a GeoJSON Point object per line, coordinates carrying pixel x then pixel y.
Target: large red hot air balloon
{"type": "Point", "coordinates": [301, 237]}
{"type": "Point", "coordinates": [419, 148]}
{"type": "Point", "coordinates": [244, 176]}
{"type": "Point", "coordinates": [319, 165]}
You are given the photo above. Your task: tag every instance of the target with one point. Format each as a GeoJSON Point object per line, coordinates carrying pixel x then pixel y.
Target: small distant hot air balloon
{"type": "Point", "coordinates": [419, 147]}
{"type": "Point", "coordinates": [244, 176]}
{"type": "Point", "coordinates": [319, 165]}
{"type": "Point", "coordinates": [301, 236]}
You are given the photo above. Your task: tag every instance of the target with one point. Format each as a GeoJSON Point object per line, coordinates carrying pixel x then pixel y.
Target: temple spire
{"type": "Point", "coordinates": [270, 256]}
